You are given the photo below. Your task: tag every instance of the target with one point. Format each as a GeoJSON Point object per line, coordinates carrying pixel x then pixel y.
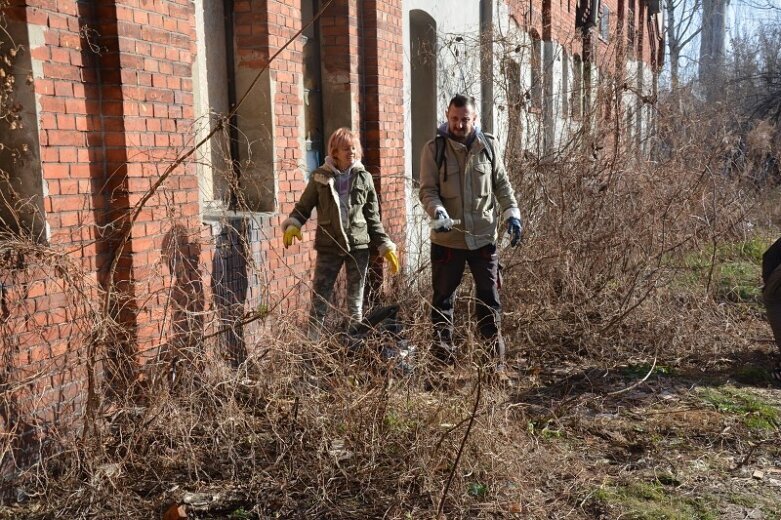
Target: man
{"type": "Point", "coordinates": [461, 179]}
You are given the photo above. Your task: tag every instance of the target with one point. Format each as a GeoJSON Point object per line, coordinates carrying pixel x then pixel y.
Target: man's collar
{"type": "Point", "coordinates": [469, 141]}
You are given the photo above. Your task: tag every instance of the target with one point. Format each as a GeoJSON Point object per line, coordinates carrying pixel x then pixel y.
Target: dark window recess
{"type": "Point", "coordinates": [565, 66]}
{"type": "Point", "coordinates": [576, 102]}
{"type": "Point", "coordinates": [515, 104]}
{"type": "Point", "coordinates": [313, 89]}
{"type": "Point", "coordinates": [512, 70]}
{"type": "Point", "coordinates": [21, 179]}
{"type": "Point", "coordinates": [654, 6]}
{"type": "Point", "coordinates": [586, 14]}
{"type": "Point", "coordinates": [536, 73]}
{"type": "Point", "coordinates": [423, 84]}
{"type": "Point", "coordinates": [604, 23]}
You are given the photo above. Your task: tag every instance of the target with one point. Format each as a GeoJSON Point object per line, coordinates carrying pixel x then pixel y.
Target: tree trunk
{"type": "Point", "coordinates": [672, 41]}
{"type": "Point", "coordinates": [712, 46]}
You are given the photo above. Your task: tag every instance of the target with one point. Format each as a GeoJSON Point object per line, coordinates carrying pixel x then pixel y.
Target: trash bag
{"type": "Point", "coordinates": [383, 327]}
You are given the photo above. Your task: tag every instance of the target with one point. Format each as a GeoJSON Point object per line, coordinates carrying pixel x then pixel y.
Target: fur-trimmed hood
{"type": "Point", "coordinates": [325, 173]}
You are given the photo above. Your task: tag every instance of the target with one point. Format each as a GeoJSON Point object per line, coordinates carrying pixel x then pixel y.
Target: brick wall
{"type": "Point", "coordinates": [44, 333]}
{"type": "Point", "coordinates": [555, 20]}
{"type": "Point", "coordinates": [114, 105]}
{"type": "Point", "coordinates": [383, 118]}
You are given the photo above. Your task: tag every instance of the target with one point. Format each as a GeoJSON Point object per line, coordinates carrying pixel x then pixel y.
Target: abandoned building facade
{"type": "Point", "coordinates": [131, 252]}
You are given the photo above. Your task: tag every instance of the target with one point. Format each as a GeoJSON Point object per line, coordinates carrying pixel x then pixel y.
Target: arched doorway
{"type": "Point", "coordinates": [423, 95]}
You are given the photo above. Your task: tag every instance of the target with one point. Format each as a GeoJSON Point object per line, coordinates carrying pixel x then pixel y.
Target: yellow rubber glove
{"type": "Point", "coordinates": [393, 260]}
{"type": "Point", "coordinates": [290, 232]}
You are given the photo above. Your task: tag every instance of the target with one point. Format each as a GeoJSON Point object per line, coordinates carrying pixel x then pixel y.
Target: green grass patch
{"type": "Point", "coordinates": [240, 514]}
{"type": "Point", "coordinates": [755, 413]}
{"type": "Point", "coordinates": [738, 282]}
{"type": "Point", "coordinates": [736, 275]}
{"type": "Point", "coordinates": [750, 249]}
{"type": "Point", "coordinates": [398, 423]}
{"type": "Point", "coordinates": [668, 479]}
{"type": "Point", "coordinates": [768, 504]}
{"type": "Point", "coordinates": [477, 490]}
{"type": "Point", "coordinates": [544, 429]}
{"type": "Point", "coordinates": [641, 370]}
{"type": "Point", "coordinates": [772, 511]}
{"type": "Point", "coordinates": [654, 501]}
{"type": "Point", "coordinates": [742, 500]}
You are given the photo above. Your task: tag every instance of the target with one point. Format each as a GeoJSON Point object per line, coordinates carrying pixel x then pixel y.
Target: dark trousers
{"type": "Point", "coordinates": [772, 297]}
{"type": "Point", "coordinates": [447, 269]}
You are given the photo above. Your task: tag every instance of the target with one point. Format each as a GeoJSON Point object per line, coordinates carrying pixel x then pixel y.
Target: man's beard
{"type": "Point", "coordinates": [459, 135]}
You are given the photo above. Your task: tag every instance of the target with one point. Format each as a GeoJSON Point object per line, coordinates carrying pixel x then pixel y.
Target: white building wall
{"type": "Point", "coordinates": [629, 103]}
{"type": "Point", "coordinates": [638, 113]}
{"type": "Point", "coordinates": [458, 71]}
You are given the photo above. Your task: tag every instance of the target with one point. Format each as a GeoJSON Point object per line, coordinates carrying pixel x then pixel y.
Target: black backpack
{"type": "Point", "coordinates": [439, 151]}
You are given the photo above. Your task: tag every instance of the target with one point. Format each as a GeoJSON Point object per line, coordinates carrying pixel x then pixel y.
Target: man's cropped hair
{"type": "Point", "coordinates": [460, 100]}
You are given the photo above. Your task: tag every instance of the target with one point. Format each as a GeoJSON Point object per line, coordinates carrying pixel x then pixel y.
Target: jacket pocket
{"type": "Point", "coordinates": [481, 179]}
{"type": "Point", "coordinates": [359, 234]}
{"type": "Point", "coordinates": [324, 236]}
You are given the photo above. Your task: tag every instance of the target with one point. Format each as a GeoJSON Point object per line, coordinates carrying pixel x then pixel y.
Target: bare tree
{"type": "Point", "coordinates": [712, 43]}
{"type": "Point", "coordinates": [682, 29]}
{"type": "Point", "coordinates": [755, 73]}
{"type": "Point", "coordinates": [764, 5]}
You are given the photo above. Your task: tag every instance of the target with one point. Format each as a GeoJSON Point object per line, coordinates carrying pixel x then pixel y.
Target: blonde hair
{"type": "Point", "coordinates": [341, 136]}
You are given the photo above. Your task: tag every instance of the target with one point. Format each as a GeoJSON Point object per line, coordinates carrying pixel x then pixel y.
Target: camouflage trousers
{"type": "Point", "coordinates": [327, 267]}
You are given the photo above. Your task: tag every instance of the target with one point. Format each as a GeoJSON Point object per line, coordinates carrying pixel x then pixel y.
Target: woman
{"type": "Point", "coordinates": [348, 222]}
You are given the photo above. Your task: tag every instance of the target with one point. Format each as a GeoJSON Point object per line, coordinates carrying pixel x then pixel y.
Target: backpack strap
{"type": "Point", "coordinates": [439, 152]}
{"type": "Point", "coordinates": [488, 141]}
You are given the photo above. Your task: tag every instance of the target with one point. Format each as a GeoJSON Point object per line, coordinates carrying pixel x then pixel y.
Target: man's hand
{"type": "Point", "coordinates": [441, 221]}
{"type": "Point", "coordinates": [515, 229]}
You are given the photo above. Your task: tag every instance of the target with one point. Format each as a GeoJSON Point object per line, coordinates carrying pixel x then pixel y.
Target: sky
{"type": "Point", "coordinates": [744, 17]}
